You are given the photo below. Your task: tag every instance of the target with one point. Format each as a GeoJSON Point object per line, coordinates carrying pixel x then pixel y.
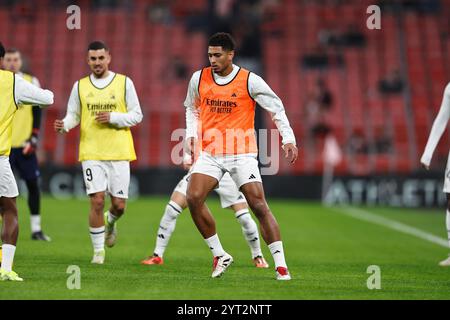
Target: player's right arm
{"type": "Point", "coordinates": [72, 118]}
{"type": "Point", "coordinates": [27, 93]}
{"type": "Point", "coordinates": [438, 128]}
{"type": "Point", "coordinates": [191, 104]}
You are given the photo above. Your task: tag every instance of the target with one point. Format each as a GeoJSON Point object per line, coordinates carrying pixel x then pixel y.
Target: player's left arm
{"type": "Point", "coordinates": [132, 117]}
{"type": "Point", "coordinates": [261, 92]}
{"type": "Point", "coordinates": [438, 128]}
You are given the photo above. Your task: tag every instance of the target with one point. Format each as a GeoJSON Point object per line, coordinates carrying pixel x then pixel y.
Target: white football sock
{"type": "Point", "coordinates": [111, 218]}
{"type": "Point", "coordinates": [35, 221]}
{"type": "Point", "coordinates": [166, 227]}
{"type": "Point", "coordinates": [98, 238]}
{"type": "Point", "coordinates": [8, 251]}
{"type": "Point", "coordinates": [276, 249]}
{"type": "Point", "coordinates": [447, 220]}
{"type": "Point", "coordinates": [250, 231]}
{"type": "Point", "coordinates": [215, 246]}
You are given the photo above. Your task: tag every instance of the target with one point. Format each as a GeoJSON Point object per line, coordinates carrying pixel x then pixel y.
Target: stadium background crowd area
{"type": "Point", "coordinates": [376, 91]}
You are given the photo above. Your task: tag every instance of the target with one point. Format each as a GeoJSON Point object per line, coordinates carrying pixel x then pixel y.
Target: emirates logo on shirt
{"type": "Point", "coordinates": [220, 106]}
{"type": "Point", "coordinates": [220, 103]}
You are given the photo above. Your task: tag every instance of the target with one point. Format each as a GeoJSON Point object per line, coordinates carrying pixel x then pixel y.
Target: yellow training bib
{"type": "Point", "coordinates": [7, 109]}
{"type": "Point", "coordinates": [23, 122]}
{"type": "Point", "coordinates": [100, 141]}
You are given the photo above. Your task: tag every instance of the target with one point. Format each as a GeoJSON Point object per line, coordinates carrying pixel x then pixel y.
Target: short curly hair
{"type": "Point", "coordinates": [222, 39]}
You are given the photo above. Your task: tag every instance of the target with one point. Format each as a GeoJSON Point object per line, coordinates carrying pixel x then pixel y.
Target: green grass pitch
{"type": "Point", "coordinates": [327, 252]}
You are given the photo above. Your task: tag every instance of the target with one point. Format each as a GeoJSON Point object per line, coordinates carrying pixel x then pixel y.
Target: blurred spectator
{"type": "Point", "coordinates": [329, 36]}
{"type": "Point", "coordinates": [353, 37]}
{"type": "Point", "coordinates": [23, 10]}
{"type": "Point", "coordinates": [357, 143]}
{"type": "Point", "coordinates": [105, 3]}
{"type": "Point", "coordinates": [317, 107]}
{"type": "Point", "coordinates": [180, 69]}
{"type": "Point", "coordinates": [197, 21]}
{"type": "Point", "coordinates": [247, 31]}
{"type": "Point", "coordinates": [382, 142]}
{"type": "Point", "coordinates": [420, 6]}
{"type": "Point", "coordinates": [317, 58]}
{"type": "Point", "coordinates": [160, 12]}
{"type": "Point", "coordinates": [319, 102]}
{"type": "Point", "coordinates": [221, 16]}
{"type": "Point", "coordinates": [392, 83]}
{"type": "Point", "coordinates": [176, 70]}
{"type": "Point", "coordinates": [323, 95]}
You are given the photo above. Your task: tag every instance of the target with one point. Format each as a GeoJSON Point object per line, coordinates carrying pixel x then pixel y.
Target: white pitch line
{"type": "Point", "coordinates": [392, 224]}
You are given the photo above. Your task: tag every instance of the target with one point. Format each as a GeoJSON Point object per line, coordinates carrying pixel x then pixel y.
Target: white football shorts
{"type": "Point", "coordinates": [227, 190]}
{"type": "Point", "coordinates": [243, 168]}
{"type": "Point", "coordinates": [110, 176]}
{"type": "Point", "coordinates": [8, 185]}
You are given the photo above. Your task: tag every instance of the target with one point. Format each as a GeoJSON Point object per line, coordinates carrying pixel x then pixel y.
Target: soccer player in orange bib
{"type": "Point", "coordinates": [220, 111]}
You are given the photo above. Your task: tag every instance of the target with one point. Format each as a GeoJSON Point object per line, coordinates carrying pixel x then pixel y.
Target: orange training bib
{"type": "Point", "coordinates": [227, 115]}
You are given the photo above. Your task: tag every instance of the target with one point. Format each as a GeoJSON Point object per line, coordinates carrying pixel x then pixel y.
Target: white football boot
{"type": "Point", "coordinates": [99, 257]}
{"type": "Point", "coordinates": [445, 263]}
{"type": "Point", "coordinates": [220, 265]}
{"type": "Point", "coordinates": [282, 273]}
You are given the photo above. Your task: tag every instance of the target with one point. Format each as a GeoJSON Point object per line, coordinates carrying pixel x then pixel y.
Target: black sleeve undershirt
{"type": "Point", "coordinates": [37, 115]}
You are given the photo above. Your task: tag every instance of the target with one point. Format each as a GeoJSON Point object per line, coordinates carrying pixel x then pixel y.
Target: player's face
{"type": "Point", "coordinates": [98, 61]}
{"type": "Point", "coordinates": [12, 62]}
{"type": "Point", "coordinates": [220, 59]}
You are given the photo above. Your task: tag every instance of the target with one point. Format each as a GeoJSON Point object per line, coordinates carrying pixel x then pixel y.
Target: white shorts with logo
{"type": "Point", "coordinates": [110, 176]}
{"type": "Point", "coordinates": [447, 176]}
{"type": "Point", "coordinates": [243, 168]}
{"type": "Point", "coordinates": [226, 189]}
{"type": "Point", "coordinates": [8, 185]}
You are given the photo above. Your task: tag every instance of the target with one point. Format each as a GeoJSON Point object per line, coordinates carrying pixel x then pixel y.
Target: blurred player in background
{"type": "Point", "coordinates": [439, 126]}
{"type": "Point", "coordinates": [25, 134]}
{"type": "Point", "coordinates": [230, 197]}
{"type": "Point", "coordinates": [106, 105]}
{"type": "Point", "coordinates": [14, 93]}
{"type": "Point", "coordinates": [227, 95]}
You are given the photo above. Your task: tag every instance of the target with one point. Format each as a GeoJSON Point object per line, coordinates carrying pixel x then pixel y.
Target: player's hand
{"type": "Point", "coordinates": [292, 149]}
{"type": "Point", "coordinates": [30, 145]}
{"type": "Point", "coordinates": [58, 125]}
{"type": "Point", "coordinates": [103, 117]}
{"type": "Point", "coordinates": [426, 166]}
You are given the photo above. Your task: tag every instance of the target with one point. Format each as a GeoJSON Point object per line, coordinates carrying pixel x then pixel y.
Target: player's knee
{"type": "Point", "coordinates": [194, 198]}
{"type": "Point", "coordinates": [10, 225]}
{"type": "Point", "coordinates": [259, 207]}
{"type": "Point", "coordinates": [9, 208]}
{"type": "Point", "coordinates": [119, 208]}
{"type": "Point", "coordinates": [98, 201]}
